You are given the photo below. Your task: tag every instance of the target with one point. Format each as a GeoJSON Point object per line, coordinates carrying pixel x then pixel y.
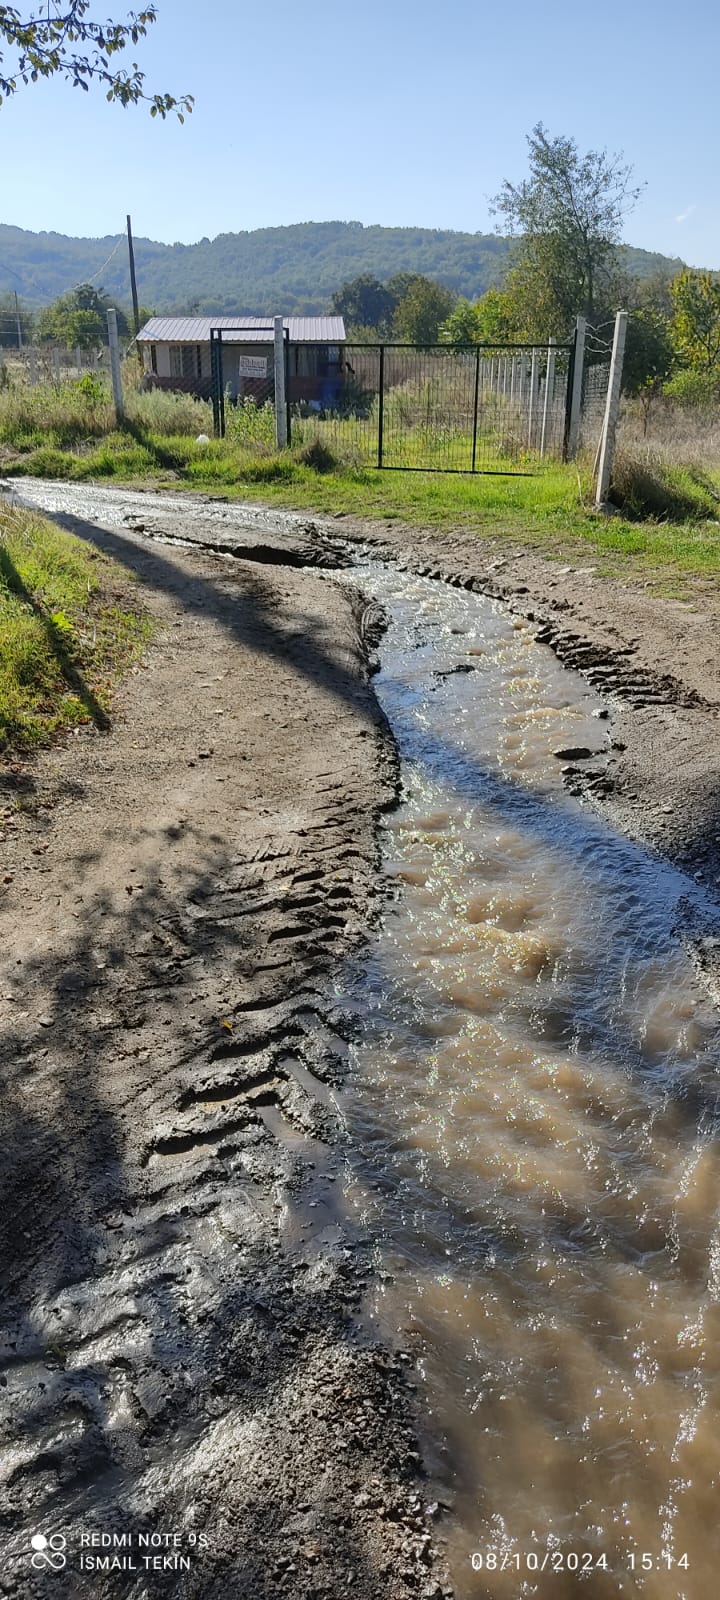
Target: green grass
{"type": "Point", "coordinates": [667, 534]}
{"type": "Point", "coordinates": [550, 511]}
{"type": "Point", "coordinates": [68, 628]}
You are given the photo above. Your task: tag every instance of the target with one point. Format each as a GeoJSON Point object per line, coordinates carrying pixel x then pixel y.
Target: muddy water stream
{"type": "Point", "coordinates": [533, 1130]}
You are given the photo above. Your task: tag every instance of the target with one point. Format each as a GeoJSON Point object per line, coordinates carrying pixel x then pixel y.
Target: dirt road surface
{"type": "Point", "coordinates": [179, 1350]}
{"type": "Point", "coordinates": [182, 1350]}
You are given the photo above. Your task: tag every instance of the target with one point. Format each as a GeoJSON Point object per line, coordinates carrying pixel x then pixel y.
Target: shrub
{"type": "Point", "coordinates": [647, 486]}
{"type": "Point", "coordinates": [55, 414]}
{"type": "Point", "coordinates": [250, 423]}
{"type": "Point", "coordinates": [165, 411]}
{"type": "Point", "coordinates": [693, 390]}
{"type": "Point", "coordinates": [318, 455]}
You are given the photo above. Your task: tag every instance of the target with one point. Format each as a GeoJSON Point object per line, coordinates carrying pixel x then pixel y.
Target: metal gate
{"type": "Point", "coordinates": [242, 372]}
{"type": "Point", "coordinates": [434, 408]}
{"type": "Point", "coordinates": [413, 408]}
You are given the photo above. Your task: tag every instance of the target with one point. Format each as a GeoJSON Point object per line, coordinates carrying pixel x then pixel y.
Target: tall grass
{"type": "Point", "coordinates": [75, 412]}
{"type": "Point", "coordinates": [667, 465]}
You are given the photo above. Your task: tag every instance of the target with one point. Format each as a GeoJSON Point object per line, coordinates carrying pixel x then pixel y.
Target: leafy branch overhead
{"type": "Point", "coordinates": [66, 40]}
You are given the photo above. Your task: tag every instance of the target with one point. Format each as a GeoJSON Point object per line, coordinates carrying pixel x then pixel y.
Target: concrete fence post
{"type": "Point", "coordinates": [32, 360]}
{"type": "Point", "coordinates": [612, 408]}
{"type": "Point", "coordinates": [577, 385]}
{"type": "Point", "coordinates": [549, 395]}
{"type": "Point", "coordinates": [115, 362]}
{"type": "Point", "coordinates": [280, 402]}
{"type": "Point", "coordinates": [533, 397]}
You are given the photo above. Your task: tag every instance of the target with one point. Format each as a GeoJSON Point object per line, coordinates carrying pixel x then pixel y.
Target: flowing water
{"type": "Point", "coordinates": [533, 1116]}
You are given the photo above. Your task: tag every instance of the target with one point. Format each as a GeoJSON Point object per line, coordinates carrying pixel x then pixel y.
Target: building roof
{"type": "Point", "coordinates": [242, 330]}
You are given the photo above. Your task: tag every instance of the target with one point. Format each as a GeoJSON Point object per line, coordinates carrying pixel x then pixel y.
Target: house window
{"type": "Point", "coordinates": [153, 358]}
{"type": "Point", "coordinates": [182, 361]}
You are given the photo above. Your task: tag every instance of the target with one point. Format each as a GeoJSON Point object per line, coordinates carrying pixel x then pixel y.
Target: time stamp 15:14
{"type": "Point", "coordinates": [579, 1561]}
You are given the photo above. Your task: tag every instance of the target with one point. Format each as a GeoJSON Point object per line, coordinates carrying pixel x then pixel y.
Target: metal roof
{"type": "Point", "coordinates": [242, 330]}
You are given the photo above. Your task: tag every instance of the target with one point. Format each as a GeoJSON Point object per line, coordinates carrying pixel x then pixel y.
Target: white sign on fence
{"type": "Point", "coordinates": [252, 366]}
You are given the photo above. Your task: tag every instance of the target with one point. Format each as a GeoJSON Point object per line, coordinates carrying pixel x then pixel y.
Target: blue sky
{"type": "Point", "coordinates": [393, 111]}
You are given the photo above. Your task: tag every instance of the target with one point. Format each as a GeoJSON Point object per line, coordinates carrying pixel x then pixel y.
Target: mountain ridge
{"type": "Point", "coordinates": [292, 268]}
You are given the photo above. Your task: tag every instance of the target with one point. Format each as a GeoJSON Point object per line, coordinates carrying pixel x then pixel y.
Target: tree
{"type": "Point", "coordinates": [78, 320]}
{"type": "Point", "coordinates": [67, 41]}
{"type": "Point", "coordinates": [422, 311]}
{"type": "Point", "coordinates": [364, 302]}
{"type": "Point", "coordinates": [569, 214]}
{"type": "Point", "coordinates": [649, 357]}
{"type": "Point", "coordinates": [489, 320]}
{"type": "Point", "coordinates": [696, 320]}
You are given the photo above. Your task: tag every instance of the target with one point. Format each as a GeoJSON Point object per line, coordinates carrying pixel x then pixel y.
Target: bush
{"type": "Point", "coordinates": [693, 390]}
{"type": "Point", "coordinates": [167, 412]}
{"type": "Point", "coordinates": [647, 486]}
{"type": "Point", "coordinates": [250, 423]}
{"type": "Point", "coordinates": [316, 454]}
{"type": "Point", "coordinates": [55, 414]}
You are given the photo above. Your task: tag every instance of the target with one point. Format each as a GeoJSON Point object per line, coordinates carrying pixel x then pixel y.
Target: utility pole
{"type": "Point", "coordinates": [18, 322]}
{"type": "Point", "coordinates": [133, 281]}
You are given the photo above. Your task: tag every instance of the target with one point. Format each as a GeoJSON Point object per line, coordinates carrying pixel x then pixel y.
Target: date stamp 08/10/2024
{"type": "Point", "coordinates": [581, 1562]}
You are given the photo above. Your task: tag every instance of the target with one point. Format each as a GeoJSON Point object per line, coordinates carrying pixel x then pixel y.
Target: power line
{"type": "Point", "coordinates": [105, 264]}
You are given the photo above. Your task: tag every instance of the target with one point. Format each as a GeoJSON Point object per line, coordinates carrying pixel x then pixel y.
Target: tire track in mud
{"type": "Point", "coordinates": [180, 1345]}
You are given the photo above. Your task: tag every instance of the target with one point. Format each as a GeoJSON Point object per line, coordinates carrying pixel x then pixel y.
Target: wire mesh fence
{"type": "Point", "coordinates": [594, 396]}
{"type": "Point", "coordinates": [438, 408]}
{"type": "Point", "coordinates": [37, 364]}
{"type": "Point", "coordinates": [470, 408]}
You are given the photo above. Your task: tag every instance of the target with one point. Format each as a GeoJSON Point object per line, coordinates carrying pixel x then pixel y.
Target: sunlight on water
{"type": "Point", "coordinates": [534, 1116]}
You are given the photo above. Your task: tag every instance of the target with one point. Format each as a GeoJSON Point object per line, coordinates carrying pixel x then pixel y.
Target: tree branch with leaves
{"type": "Point", "coordinates": [66, 40]}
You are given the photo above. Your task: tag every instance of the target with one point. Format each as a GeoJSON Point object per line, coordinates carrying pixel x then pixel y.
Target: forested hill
{"type": "Point", "coordinates": [291, 269]}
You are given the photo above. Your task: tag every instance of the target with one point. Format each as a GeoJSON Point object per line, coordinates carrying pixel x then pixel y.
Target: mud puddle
{"type": "Point", "coordinates": [532, 1128]}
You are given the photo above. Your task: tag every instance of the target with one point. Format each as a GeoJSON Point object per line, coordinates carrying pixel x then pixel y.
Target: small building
{"type": "Point", "coordinates": [176, 355]}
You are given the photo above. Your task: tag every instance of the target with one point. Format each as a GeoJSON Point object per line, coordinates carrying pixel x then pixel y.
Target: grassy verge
{"type": "Point", "coordinates": [668, 532]}
{"type": "Point", "coordinates": [69, 625]}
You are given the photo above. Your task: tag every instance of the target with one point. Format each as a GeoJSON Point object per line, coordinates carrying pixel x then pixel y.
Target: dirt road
{"type": "Point", "coordinates": [182, 1354]}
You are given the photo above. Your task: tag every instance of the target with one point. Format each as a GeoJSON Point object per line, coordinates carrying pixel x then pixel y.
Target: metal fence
{"type": "Point", "coordinates": [34, 364]}
{"type": "Point", "coordinates": [436, 408]}
{"type": "Point", "coordinates": [432, 408]}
